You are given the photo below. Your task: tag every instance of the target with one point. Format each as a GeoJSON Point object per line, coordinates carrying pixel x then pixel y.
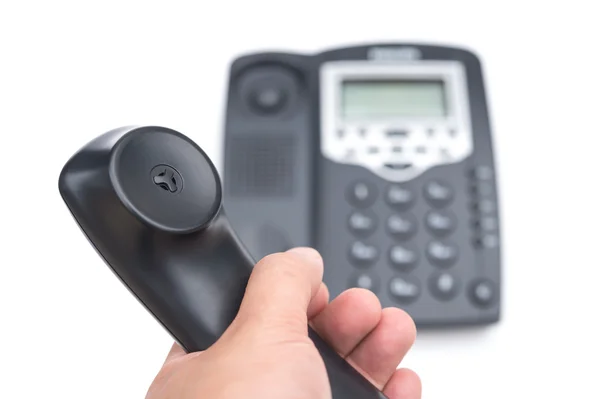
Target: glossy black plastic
{"type": "Point", "coordinates": [149, 200]}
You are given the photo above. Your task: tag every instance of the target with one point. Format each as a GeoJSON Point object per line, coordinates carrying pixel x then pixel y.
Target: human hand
{"type": "Point", "coordinates": [266, 352]}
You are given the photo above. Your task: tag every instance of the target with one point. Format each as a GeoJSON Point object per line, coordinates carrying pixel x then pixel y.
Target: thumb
{"type": "Point", "coordinates": [280, 290]}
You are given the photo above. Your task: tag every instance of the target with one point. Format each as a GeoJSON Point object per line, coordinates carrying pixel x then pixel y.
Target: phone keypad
{"type": "Point", "coordinates": [440, 254]}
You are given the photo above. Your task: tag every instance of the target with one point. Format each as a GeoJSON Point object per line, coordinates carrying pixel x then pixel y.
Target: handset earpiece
{"type": "Point", "coordinates": [149, 200]}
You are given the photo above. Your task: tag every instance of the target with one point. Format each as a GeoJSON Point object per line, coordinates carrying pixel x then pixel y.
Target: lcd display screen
{"type": "Point", "coordinates": [374, 99]}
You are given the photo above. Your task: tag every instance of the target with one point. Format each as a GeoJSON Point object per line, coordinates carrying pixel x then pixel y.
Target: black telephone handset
{"type": "Point", "coordinates": [150, 202]}
{"type": "Point", "coordinates": [380, 156]}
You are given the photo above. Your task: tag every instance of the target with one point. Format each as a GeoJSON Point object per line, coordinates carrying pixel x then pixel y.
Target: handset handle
{"type": "Point", "coordinates": [149, 201]}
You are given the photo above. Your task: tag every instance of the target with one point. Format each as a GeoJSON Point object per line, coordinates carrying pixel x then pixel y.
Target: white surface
{"type": "Point", "coordinates": [70, 71]}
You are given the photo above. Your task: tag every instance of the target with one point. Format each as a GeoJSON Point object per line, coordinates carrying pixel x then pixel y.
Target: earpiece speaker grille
{"type": "Point", "coordinates": [261, 166]}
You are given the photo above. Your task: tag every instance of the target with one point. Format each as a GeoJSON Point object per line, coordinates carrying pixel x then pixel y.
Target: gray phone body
{"type": "Point", "coordinates": [381, 157]}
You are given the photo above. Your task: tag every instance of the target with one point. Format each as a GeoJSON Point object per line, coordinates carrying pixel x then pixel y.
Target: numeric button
{"type": "Point", "coordinates": [405, 289]}
{"type": "Point", "coordinates": [365, 281]}
{"type": "Point", "coordinates": [403, 257]}
{"type": "Point", "coordinates": [362, 223]}
{"type": "Point", "coordinates": [442, 253]}
{"type": "Point", "coordinates": [361, 193]}
{"type": "Point", "coordinates": [363, 254]}
{"type": "Point", "coordinates": [440, 222]}
{"type": "Point", "coordinates": [444, 286]}
{"type": "Point", "coordinates": [402, 226]}
{"type": "Point", "coordinates": [438, 193]}
{"type": "Point", "coordinates": [399, 197]}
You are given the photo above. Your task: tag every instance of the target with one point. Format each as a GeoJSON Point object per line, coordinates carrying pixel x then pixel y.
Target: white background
{"type": "Point", "coordinates": [70, 71]}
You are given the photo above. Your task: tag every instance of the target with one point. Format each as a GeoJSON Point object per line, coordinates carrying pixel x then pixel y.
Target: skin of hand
{"type": "Point", "coordinates": [266, 352]}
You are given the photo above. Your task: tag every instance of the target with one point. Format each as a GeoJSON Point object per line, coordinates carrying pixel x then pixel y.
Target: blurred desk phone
{"type": "Point", "coordinates": [379, 156]}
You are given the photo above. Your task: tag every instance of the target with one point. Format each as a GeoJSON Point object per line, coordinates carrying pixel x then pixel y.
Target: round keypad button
{"type": "Point", "coordinates": [361, 193]}
{"type": "Point", "coordinates": [405, 289]}
{"type": "Point", "coordinates": [363, 254]}
{"type": "Point", "coordinates": [440, 222]}
{"type": "Point", "coordinates": [482, 189]}
{"type": "Point", "coordinates": [487, 241]}
{"type": "Point", "coordinates": [485, 206]}
{"type": "Point", "coordinates": [399, 197]}
{"type": "Point", "coordinates": [442, 253]}
{"type": "Point", "coordinates": [490, 241]}
{"type": "Point", "coordinates": [438, 193]}
{"type": "Point", "coordinates": [362, 223]}
{"type": "Point", "coordinates": [482, 293]}
{"type": "Point", "coordinates": [366, 281]}
{"type": "Point", "coordinates": [444, 286]}
{"type": "Point", "coordinates": [401, 226]}
{"type": "Point", "coordinates": [488, 223]}
{"type": "Point", "coordinates": [403, 257]}
{"type": "Point", "coordinates": [482, 172]}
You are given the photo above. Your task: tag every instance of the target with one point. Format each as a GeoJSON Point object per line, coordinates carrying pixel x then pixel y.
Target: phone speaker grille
{"type": "Point", "coordinates": [261, 166]}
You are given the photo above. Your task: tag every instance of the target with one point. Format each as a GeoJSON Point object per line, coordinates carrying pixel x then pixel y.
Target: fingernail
{"type": "Point", "coordinates": [309, 254]}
